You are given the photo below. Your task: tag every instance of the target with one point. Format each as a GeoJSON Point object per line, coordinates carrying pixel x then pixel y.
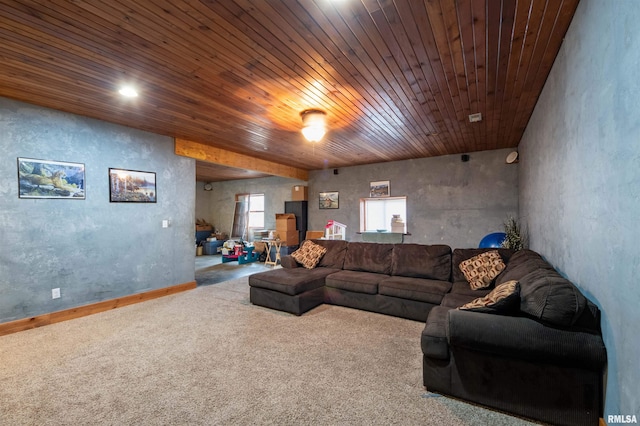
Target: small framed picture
{"type": "Point", "coordinates": [329, 200]}
{"type": "Point", "coordinates": [379, 189]}
{"type": "Point", "coordinates": [50, 179]}
{"type": "Point", "coordinates": [132, 186]}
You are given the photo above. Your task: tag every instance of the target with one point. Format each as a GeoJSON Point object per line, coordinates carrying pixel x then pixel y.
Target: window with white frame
{"type": "Point", "coordinates": [249, 215]}
{"type": "Point", "coordinates": [376, 213]}
{"type": "Point", "coordinates": [256, 211]}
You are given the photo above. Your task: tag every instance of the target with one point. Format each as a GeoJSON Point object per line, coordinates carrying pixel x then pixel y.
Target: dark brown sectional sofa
{"type": "Point", "coordinates": [544, 361]}
{"type": "Point", "coordinates": [404, 280]}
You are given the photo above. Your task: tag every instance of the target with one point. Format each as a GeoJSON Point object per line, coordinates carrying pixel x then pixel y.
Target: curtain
{"type": "Point", "coordinates": [241, 218]}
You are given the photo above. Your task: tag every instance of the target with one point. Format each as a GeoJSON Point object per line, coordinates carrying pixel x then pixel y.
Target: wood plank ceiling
{"type": "Point", "coordinates": [397, 79]}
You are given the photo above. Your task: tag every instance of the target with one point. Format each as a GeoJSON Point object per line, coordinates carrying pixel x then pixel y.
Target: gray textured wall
{"type": "Point", "coordinates": [448, 201]}
{"type": "Point", "coordinates": [217, 206]}
{"type": "Point", "coordinates": [91, 249]}
{"type": "Point", "coordinates": [580, 179]}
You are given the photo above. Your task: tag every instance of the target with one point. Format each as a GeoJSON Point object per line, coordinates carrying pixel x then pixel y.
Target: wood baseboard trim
{"type": "Point", "coordinates": [94, 308]}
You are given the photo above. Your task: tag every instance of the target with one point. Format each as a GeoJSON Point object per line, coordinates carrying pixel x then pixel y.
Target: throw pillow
{"type": "Point", "coordinates": [504, 298]}
{"type": "Point", "coordinates": [481, 270]}
{"type": "Point", "coordinates": [309, 254]}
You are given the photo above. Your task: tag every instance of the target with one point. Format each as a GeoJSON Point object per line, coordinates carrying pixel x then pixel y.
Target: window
{"type": "Point", "coordinates": [256, 211]}
{"type": "Point", "coordinates": [249, 215]}
{"type": "Point", "coordinates": [376, 213]}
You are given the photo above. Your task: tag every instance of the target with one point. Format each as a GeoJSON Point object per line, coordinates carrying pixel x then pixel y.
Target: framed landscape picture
{"type": "Point", "coordinates": [329, 200]}
{"type": "Point", "coordinates": [50, 179]}
{"type": "Point", "coordinates": [379, 189]}
{"type": "Point", "coordinates": [132, 186]}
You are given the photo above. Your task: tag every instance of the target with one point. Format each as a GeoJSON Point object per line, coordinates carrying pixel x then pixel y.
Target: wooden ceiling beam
{"type": "Point", "coordinates": [211, 154]}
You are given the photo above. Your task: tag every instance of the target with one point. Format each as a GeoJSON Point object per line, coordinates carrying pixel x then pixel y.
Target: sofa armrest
{"type": "Point", "coordinates": [288, 262]}
{"type": "Point", "coordinates": [524, 338]}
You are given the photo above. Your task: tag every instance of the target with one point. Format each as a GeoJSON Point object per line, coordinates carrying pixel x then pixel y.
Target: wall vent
{"type": "Point", "coordinates": [475, 118]}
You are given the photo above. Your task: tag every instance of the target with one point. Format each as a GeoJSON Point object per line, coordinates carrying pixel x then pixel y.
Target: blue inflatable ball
{"type": "Point", "coordinates": [493, 240]}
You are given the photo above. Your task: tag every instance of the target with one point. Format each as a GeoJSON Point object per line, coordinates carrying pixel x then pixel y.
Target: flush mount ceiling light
{"type": "Point", "coordinates": [314, 124]}
{"type": "Point", "coordinates": [128, 92]}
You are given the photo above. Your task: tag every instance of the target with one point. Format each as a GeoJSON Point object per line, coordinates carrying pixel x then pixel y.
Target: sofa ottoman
{"type": "Point", "coordinates": [293, 290]}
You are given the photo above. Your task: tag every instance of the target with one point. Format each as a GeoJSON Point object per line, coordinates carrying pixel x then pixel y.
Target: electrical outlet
{"type": "Point", "coordinates": [55, 293]}
{"type": "Point", "coordinates": [165, 223]}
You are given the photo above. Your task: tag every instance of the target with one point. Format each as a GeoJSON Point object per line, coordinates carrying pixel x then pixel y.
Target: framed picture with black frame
{"type": "Point", "coordinates": [329, 200]}
{"type": "Point", "coordinates": [50, 179]}
{"type": "Point", "coordinates": [379, 189]}
{"type": "Point", "coordinates": [132, 186]}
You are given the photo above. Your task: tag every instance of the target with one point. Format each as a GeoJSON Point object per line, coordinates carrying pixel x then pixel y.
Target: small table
{"type": "Point", "coordinates": [248, 256]}
{"type": "Point", "coordinates": [276, 244]}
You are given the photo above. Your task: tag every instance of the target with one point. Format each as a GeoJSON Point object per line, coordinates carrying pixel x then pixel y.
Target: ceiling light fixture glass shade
{"type": "Point", "coordinates": [314, 124]}
{"type": "Point", "coordinates": [128, 92]}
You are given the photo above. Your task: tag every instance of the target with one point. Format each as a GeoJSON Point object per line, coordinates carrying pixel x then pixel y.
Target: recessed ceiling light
{"type": "Point", "coordinates": [128, 92]}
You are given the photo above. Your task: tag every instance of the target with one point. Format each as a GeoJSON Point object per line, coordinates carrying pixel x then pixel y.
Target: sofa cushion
{"type": "Point", "coordinates": [422, 261]}
{"type": "Point", "coordinates": [355, 281]}
{"type": "Point", "coordinates": [420, 289]}
{"type": "Point", "coordinates": [520, 264]}
{"type": "Point", "coordinates": [309, 254]}
{"type": "Point", "coordinates": [291, 281]}
{"type": "Point", "coordinates": [334, 257]}
{"type": "Point", "coordinates": [523, 339]}
{"type": "Point", "coordinates": [590, 319]}
{"type": "Point", "coordinates": [505, 298]}
{"type": "Point", "coordinates": [480, 270]}
{"type": "Point", "coordinates": [433, 340]}
{"type": "Point", "coordinates": [524, 255]}
{"type": "Point", "coordinates": [462, 287]}
{"type": "Point", "coordinates": [288, 262]}
{"type": "Point", "coordinates": [369, 257]}
{"type": "Point", "coordinates": [460, 255]}
{"type": "Point", "coordinates": [453, 300]}
{"type": "Point", "coordinates": [547, 296]}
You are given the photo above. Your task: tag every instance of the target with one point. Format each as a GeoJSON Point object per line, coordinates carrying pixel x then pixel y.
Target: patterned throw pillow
{"type": "Point", "coordinates": [480, 270]}
{"type": "Point", "coordinates": [309, 254]}
{"type": "Point", "coordinates": [503, 298]}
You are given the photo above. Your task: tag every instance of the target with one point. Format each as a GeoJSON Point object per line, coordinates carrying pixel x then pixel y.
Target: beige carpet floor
{"type": "Point", "coordinates": [209, 357]}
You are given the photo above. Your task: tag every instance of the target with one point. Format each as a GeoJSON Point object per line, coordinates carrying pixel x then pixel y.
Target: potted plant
{"type": "Point", "coordinates": [514, 238]}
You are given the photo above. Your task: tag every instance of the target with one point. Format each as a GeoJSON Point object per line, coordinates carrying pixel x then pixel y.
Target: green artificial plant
{"type": "Point", "coordinates": [514, 239]}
